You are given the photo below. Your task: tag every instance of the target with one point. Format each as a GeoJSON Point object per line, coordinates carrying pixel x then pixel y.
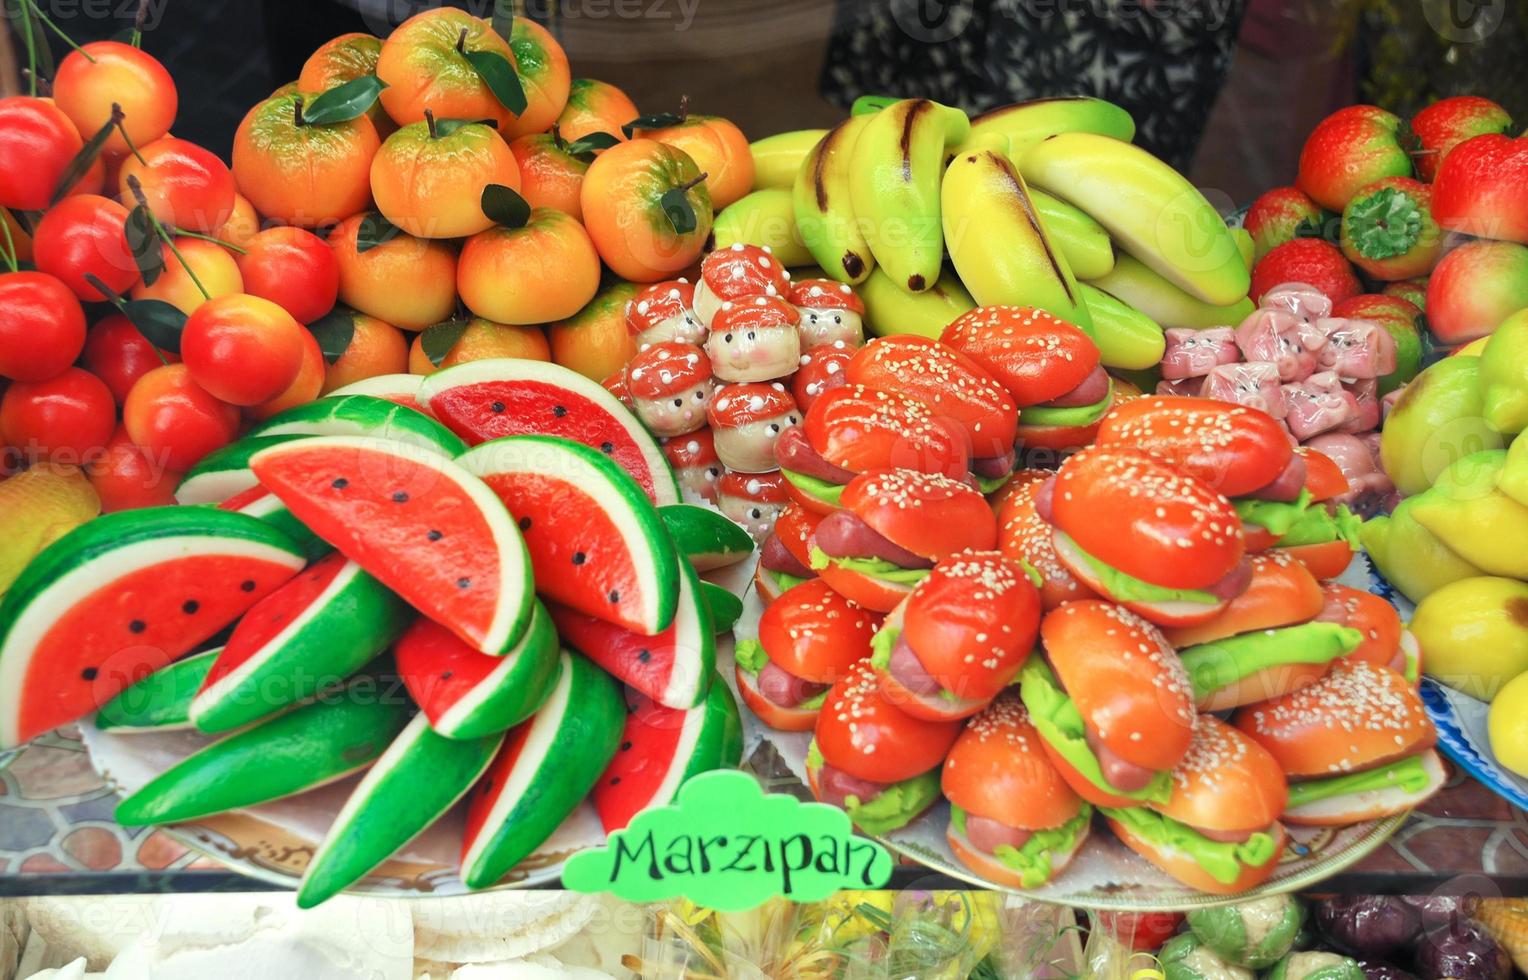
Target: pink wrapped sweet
{"type": "Point", "coordinates": [1282, 338]}
{"type": "Point", "coordinates": [1365, 392]}
{"type": "Point", "coordinates": [1192, 353]}
{"type": "Point", "coordinates": [1368, 487]}
{"type": "Point", "coordinates": [1318, 404]}
{"type": "Point", "coordinates": [1355, 348]}
{"type": "Point", "coordinates": [1187, 386]}
{"type": "Point", "coordinates": [1303, 300]}
{"type": "Point", "coordinates": [1254, 384]}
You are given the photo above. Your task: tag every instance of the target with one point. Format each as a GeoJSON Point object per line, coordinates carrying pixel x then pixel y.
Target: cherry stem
{"type": "Point", "coordinates": [684, 108]}
{"type": "Point", "coordinates": [297, 112]}
{"type": "Point", "coordinates": [183, 233]}
{"type": "Point", "coordinates": [164, 235]}
{"type": "Point", "coordinates": [117, 117]}
{"type": "Point", "coordinates": [461, 42]}
{"type": "Point", "coordinates": [139, 19]}
{"type": "Point", "coordinates": [691, 183]}
{"type": "Point", "coordinates": [429, 120]}
{"type": "Point", "coordinates": [10, 243]}
{"type": "Point", "coordinates": [56, 29]}
{"type": "Point", "coordinates": [31, 42]}
{"type": "Point", "coordinates": [557, 139]}
{"type": "Point", "coordinates": [112, 296]}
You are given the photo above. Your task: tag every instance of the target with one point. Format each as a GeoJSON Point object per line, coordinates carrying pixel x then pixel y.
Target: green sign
{"type": "Point", "coordinates": [727, 845]}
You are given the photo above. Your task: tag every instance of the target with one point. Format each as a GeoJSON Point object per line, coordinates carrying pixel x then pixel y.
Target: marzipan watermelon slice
{"type": "Point", "coordinates": [282, 756]}
{"type": "Point", "coordinates": [161, 702]}
{"type": "Point", "coordinates": [400, 389]}
{"type": "Point", "coordinates": [661, 748]}
{"type": "Point", "coordinates": [306, 637]}
{"type": "Point", "coordinates": [726, 608]}
{"type": "Point", "coordinates": [120, 597]}
{"type": "Point", "coordinates": [261, 503]}
{"type": "Point", "coordinates": [418, 778]}
{"type": "Point", "coordinates": [467, 694]}
{"type": "Point", "coordinates": [425, 527]}
{"type": "Point", "coordinates": [483, 400]}
{"type": "Point", "coordinates": [225, 473]}
{"type": "Point", "coordinates": [545, 769]}
{"type": "Point", "coordinates": [673, 668]}
{"type": "Point", "coordinates": [706, 536]}
{"type": "Point", "coordinates": [362, 415]}
{"type": "Point", "coordinates": [595, 541]}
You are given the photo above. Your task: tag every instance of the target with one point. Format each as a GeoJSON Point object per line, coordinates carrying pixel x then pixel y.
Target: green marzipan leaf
{"type": "Point", "coordinates": [375, 230]}
{"type": "Point", "coordinates": [438, 340]}
{"type": "Point", "coordinates": [143, 242]}
{"type": "Point", "coordinates": [503, 206]}
{"type": "Point", "coordinates": [82, 162]}
{"type": "Point", "coordinates": [499, 75]}
{"type": "Point", "coordinates": [658, 120]}
{"type": "Point", "coordinates": [678, 210]}
{"type": "Point", "coordinates": [334, 331]}
{"type": "Point", "coordinates": [157, 320]}
{"type": "Point", "coordinates": [344, 102]}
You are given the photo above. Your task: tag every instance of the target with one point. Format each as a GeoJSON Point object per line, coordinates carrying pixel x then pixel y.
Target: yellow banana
{"type": "Point", "coordinates": [1127, 338]}
{"type": "Point", "coordinates": [1082, 240]}
{"type": "Point", "coordinates": [777, 158]}
{"type": "Point", "coordinates": [1027, 123]}
{"type": "Point", "coordinates": [890, 309]}
{"type": "Point", "coordinates": [1150, 209]}
{"type": "Point", "coordinates": [766, 217]}
{"type": "Point", "coordinates": [1132, 282]}
{"type": "Point", "coordinates": [1001, 249]}
{"type": "Point", "coordinates": [897, 163]}
{"type": "Point", "coordinates": [825, 216]}
{"type": "Point", "coordinates": [1245, 246]}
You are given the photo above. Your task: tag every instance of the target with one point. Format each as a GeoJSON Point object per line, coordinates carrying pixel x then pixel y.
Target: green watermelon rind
{"type": "Point", "coordinates": [712, 738]}
{"type": "Point", "coordinates": [665, 484]}
{"type": "Point", "coordinates": [225, 472]}
{"type": "Point", "coordinates": [706, 536]}
{"type": "Point", "coordinates": [161, 702]}
{"type": "Point", "coordinates": [571, 741]}
{"type": "Point", "coordinates": [515, 690]}
{"type": "Point", "coordinates": [352, 620]}
{"type": "Point", "coordinates": [363, 415]}
{"type": "Point", "coordinates": [91, 558]}
{"type": "Point", "coordinates": [380, 386]}
{"type": "Point", "coordinates": [412, 784]}
{"type": "Point", "coordinates": [693, 615]}
{"type": "Point", "coordinates": [726, 608]}
{"type": "Point", "coordinates": [516, 578]}
{"type": "Point", "coordinates": [305, 748]}
{"type": "Point", "coordinates": [608, 487]}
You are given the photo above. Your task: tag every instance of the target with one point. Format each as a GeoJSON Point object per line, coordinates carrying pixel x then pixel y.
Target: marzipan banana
{"type": "Point", "coordinates": [1132, 282]}
{"type": "Point", "coordinates": [825, 216]}
{"type": "Point", "coordinates": [777, 158]}
{"type": "Point", "coordinates": [1126, 337]}
{"type": "Point", "coordinates": [1151, 210]}
{"type": "Point", "coordinates": [996, 238]}
{"type": "Point", "coordinates": [891, 310]}
{"type": "Point", "coordinates": [1027, 123]}
{"type": "Point", "coordinates": [1082, 240]}
{"type": "Point", "coordinates": [898, 161]}
{"type": "Point", "coordinates": [766, 217]}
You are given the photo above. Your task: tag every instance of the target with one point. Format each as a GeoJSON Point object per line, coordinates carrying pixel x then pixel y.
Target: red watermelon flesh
{"type": "Point", "coordinates": [491, 409]}
{"type": "Point", "coordinates": [244, 498]}
{"type": "Point", "coordinates": [416, 524]}
{"type": "Point", "coordinates": [653, 743]}
{"type": "Point", "coordinates": [271, 616]}
{"type": "Point", "coordinates": [146, 620]}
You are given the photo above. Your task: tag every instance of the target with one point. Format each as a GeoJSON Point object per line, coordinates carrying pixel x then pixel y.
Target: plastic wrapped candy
{"type": "Point", "coordinates": [1368, 925]}
{"type": "Point", "coordinates": [1316, 966]}
{"type": "Point", "coordinates": [1289, 342]}
{"type": "Point", "coordinates": [1318, 404]}
{"type": "Point", "coordinates": [1365, 392]}
{"type": "Point", "coordinates": [1186, 957]}
{"type": "Point", "coordinates": [1254, 384]}
{"type": "Point", "coordinates": [1187, 386]}
{"type": "Point", "coordinates": [1303, 300]}
{"type": "Point", "coordinates": [1192, 353]}
{"type": "Point", "coordinates": [1252, 934]}
{"type": "Point", "coordinates": [1355, 348]}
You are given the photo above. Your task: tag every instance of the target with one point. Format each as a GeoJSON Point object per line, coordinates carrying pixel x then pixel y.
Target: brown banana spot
{"type": "Point", "coordinates": [853, 264]}
{"type": "Point", "coordinates": [909, 120]}
{"type": "Point", "coordinates": [1517, 611]}
{"type": "Point", "coordinates": [1016, 189]}
{"type": "Point", "coordinates": [819, 165]}
{"type": "Point", "coordinates": [915, 284]}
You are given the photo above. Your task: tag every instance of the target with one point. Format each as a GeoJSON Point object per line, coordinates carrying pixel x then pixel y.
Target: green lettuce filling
{"type": "Point", "coordinates": [1058, 721]}
{"type": "Point", "coordinates": [894, 807]}
{"type": "Point", "coordinates": [1223, 860]}
{"type": "Point", "coordinates": [821, 489]}
{"type": "Point", "coordinates": [990, 484]}
{"type": "Point", "coordinates": [879, 568]}
{"type": "Point", "coordinates": [1068, 417]}
{"type": "Point", "coordinates": [1408, 774]}
{"type": "Point", "coordinates": [1033, 860]}
{"type": "Point", "coordinates": [1127, 588]}
{"type": "Point", "coordinates": [1277, 516]}
{"type": "Point", "coordinates": [1318, 526]}
{"type": "Point", "coordinates": [784, 581]}
{"type": "Point", "coordinates": [1221, 663]}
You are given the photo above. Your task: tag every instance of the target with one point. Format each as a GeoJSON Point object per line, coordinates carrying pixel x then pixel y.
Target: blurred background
{"type": "Point", "coordinates": [1225, 88]}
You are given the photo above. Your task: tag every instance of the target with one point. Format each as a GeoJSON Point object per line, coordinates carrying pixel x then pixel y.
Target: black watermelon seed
{"type": "Point", "coordinates": [579, 557]}
{"type": "Point", "coordinates": [400, 497]}
{"type": "Point", "coordinates": [340, 483]}
{"type": "Point", "coordinates": [625, 746]}
{"type": "Point", "coordinates": [190, 607]}
{"type": "Point", "coordinates": [559, 411]}
{"type": "Point", "coordinates": [487, 785]}
{"type": "Point", "coordinates": [645, 656]}
{"type": "Point", "coordinates": [607, 447]}
{"type": "Point", "coordinates": [434, 535]}
{"type": "Point", "coordinates": [248, 585]}
{"type": "Point", "coordinates": [462, 583]}
{"type": "Point", "coordinates": [89, 673]}
{"type": "Point", "coordinates": [615, 780]}
{"type": "Point", "coordinates": [137, 626]}
{"type": "Point", "coordinates": [525, 523]}
{"type": "Point", "coordinates": [446, 676]}
{"type": "Point", "coordinates": [498, 406]}
{"type": "Point", "coordinates": [615, 596]}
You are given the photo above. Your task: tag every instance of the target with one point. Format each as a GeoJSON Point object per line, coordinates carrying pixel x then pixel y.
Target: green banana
{"type": "Point", "coordinates": [288, 754]}
{"type": "Point", "coordinates": [1150, 209]}
{"type": "Point", "coordinates": [825, 217]}
{"type": "Point", "coordinates": [1084, 242]}
{"type": "Point", "coordinates": [768, 218]}
{"type": "Point", "coordinates": [897, 164]}
{"type": "Point", "coordinates": [777, 158]}
{"type": "Point", "coordinates": [1127, 338]}
{"type": "Point", "coordinates": [890, 309]}
{"type": "Point", "coordinates": [1132, 281]}
{"type": "Point", "coordinates": [1001, 249]}
{"type": "Point", "coordinates": [1028, 123]}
